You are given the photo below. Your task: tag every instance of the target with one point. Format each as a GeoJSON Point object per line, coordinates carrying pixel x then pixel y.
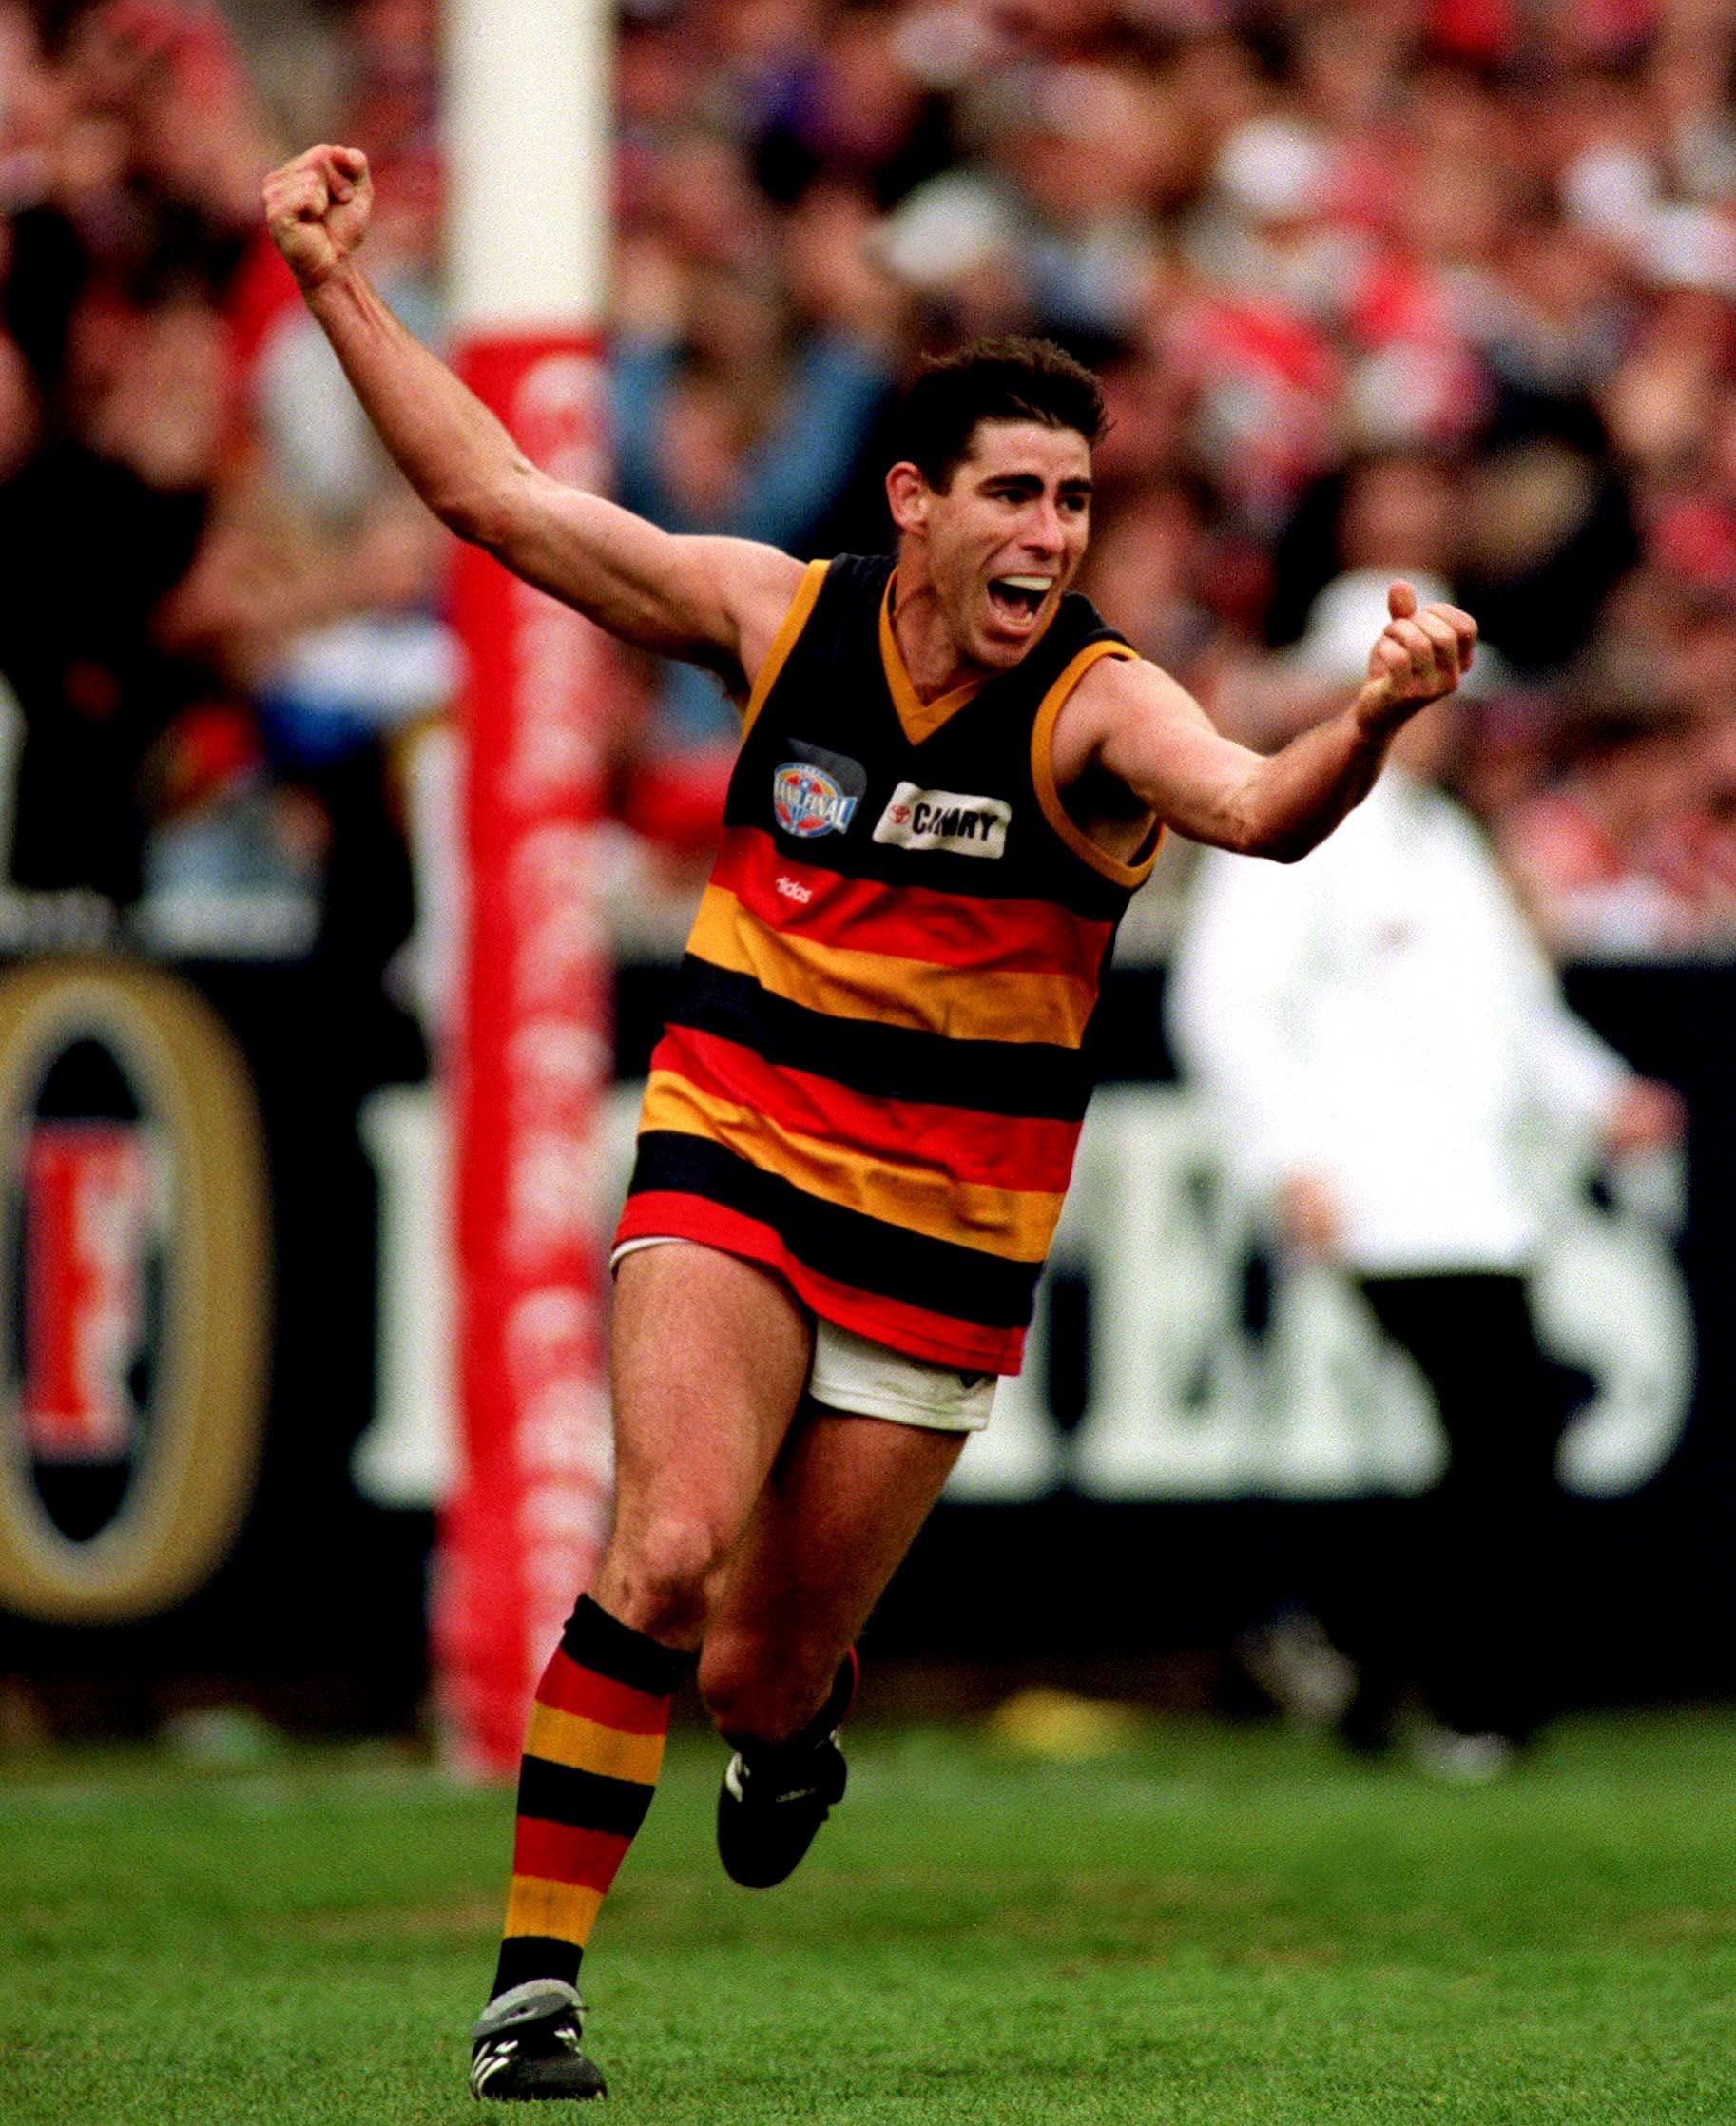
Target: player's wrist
{"type": "Point", "coordinates": [1379, 710]}
{"type": "Point", "coordinates": [337, 282]}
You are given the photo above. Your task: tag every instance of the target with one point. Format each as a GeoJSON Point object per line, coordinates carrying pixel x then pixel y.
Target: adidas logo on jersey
{"type": "Point", "coordinates": [966, 826]}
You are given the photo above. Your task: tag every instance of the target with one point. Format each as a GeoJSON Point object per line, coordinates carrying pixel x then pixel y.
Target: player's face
{"type": "Point", "coordinates": [1008, 536]}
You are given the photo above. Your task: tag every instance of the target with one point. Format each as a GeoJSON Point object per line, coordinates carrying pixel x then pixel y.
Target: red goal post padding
{"type": "Point", "coordinates": [532, 1060]}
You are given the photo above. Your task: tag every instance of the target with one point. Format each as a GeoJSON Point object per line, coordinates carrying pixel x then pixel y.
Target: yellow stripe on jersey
{"type": "Point", "coordinates": [795, 620]}
{"type": "Point", "coordinates": [1043, 773]}
{"type": "Point", "coordinates": [1016, 1224]}
{"type": "Point", "coordinates": [569, 1739]}
{"type": "Point", "coordinates": [964, 1005]}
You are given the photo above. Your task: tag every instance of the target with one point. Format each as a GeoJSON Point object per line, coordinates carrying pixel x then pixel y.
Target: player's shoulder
{"type": "Point", "coordinates": [757, 586]}
{"type": "Point", "coordinates": [767, 573]}
{"type": "Point", "coordinates": [860, 571]}
{"type": "Point", "coordinates": [1126, 684]}
{"type": "Point", "coordinates": [1121, 701]}
{"type": "Point", "coordinates": [756, 571]}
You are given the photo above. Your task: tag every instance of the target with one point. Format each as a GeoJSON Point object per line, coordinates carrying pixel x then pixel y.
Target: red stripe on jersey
{"type": "Point", "coordinates": [571, 1688]}
{"type": "Point", "coordinates": [997, 1151]}
{"type": "Point", "coordinates": [567, 1854]}
{"type": "Point", "coordinates": [941, 1338]}
{"type": "Point", "coordinates": [910, 922]}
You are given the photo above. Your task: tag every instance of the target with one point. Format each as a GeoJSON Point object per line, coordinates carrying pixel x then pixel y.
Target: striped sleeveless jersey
{"type": "Point", "coordinates": [874, 1064]}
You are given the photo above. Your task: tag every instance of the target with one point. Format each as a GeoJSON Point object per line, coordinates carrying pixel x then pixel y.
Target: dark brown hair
{"type": "Point", "coordinates": [1005, 379]}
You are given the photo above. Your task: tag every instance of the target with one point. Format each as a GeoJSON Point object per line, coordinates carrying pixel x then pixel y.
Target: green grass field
{"type": "Point", "coordinates": [1213, 1926]}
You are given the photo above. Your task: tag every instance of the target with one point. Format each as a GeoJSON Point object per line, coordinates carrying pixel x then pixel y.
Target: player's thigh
{"type": "Point", "coordinates": [843, 1505]}
{"type": "Point", "coordinates": [708, 1359]}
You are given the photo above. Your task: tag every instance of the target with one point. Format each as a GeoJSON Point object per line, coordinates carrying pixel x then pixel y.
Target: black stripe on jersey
{"type": "Point", "coordinates": [1034, 1079]}
{"type": "Point", "coordinates": [843, 1245]}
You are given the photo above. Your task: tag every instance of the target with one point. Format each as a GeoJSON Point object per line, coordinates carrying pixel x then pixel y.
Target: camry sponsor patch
{"type": "Point", "coordinates": [964, 827]}
{"type": "Point", "coordinates": [817, 792]}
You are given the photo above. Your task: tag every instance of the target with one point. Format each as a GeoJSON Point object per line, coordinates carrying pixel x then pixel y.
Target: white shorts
{"type": "Point", "coordinates": [869, 1379]}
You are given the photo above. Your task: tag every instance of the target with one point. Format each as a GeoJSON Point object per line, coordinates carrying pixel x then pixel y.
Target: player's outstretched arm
{"type": "Point", "coordinates": [715, 601]}
{"type": "Point", "coordinates": [1149, 733]}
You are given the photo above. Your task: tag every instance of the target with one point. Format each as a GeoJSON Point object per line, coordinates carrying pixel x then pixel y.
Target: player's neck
{"type": "Point", "coordinates": [932, 658]}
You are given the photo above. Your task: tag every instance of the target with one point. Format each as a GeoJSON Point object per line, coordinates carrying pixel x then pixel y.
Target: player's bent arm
{"type": "Point", "coordinates": [1136, 723]}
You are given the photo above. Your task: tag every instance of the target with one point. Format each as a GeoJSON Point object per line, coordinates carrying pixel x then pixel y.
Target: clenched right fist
{"type": "Point", "coordinates": [1418, 657]}
{"type": "Point", "coordinates": [316, 209]}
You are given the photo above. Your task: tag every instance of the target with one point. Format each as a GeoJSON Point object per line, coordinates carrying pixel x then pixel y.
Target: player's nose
{"type": "Point", "coordinates": [1044, 533]}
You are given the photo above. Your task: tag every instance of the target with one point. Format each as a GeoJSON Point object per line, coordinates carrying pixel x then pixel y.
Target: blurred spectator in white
{"type": "Point", "coordinates": [1373, 1029]}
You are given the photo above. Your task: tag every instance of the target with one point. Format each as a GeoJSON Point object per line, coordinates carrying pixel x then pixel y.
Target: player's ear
{"type": "Point", "coordinates": [908, 496]}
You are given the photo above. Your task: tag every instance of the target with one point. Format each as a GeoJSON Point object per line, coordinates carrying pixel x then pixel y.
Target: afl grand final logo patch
{"type": "Point", "coordinates": [815, 792]}
{"type": "Point", "coordinates": [964, 827]}
{"type": "Point", "coordinates": [806, 802]}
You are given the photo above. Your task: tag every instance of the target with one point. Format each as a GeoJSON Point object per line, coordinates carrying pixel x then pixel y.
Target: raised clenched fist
{"type": "Point", "coordinates": [1421, 654]}
{"type": "Point", "coordinates": [316, 209]}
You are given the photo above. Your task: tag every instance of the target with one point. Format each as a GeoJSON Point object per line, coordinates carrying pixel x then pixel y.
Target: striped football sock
{"type": "Point", "coordinates": [589, 1770]}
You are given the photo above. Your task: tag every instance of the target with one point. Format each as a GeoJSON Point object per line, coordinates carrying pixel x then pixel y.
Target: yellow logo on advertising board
{"type": "Point", "coordinates": [134, 1268]}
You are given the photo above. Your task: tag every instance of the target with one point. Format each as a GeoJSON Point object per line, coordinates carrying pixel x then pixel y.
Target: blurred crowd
{"type": "Point", "coordinates": [1441, 288]}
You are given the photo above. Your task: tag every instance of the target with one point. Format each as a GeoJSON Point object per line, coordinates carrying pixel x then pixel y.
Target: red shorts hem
{"type": "Point", "coordinates": [919, 1333]}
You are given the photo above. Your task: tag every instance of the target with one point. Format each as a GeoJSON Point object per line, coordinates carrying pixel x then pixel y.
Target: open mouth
{"type": "Point", "coordinates": [1018, 600]}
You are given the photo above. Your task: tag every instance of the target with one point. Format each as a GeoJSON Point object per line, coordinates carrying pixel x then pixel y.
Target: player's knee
{"type": "Point", "coordinates": [752, 1688]}
{"type": "Point", "coordinates": [664, 1575]}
